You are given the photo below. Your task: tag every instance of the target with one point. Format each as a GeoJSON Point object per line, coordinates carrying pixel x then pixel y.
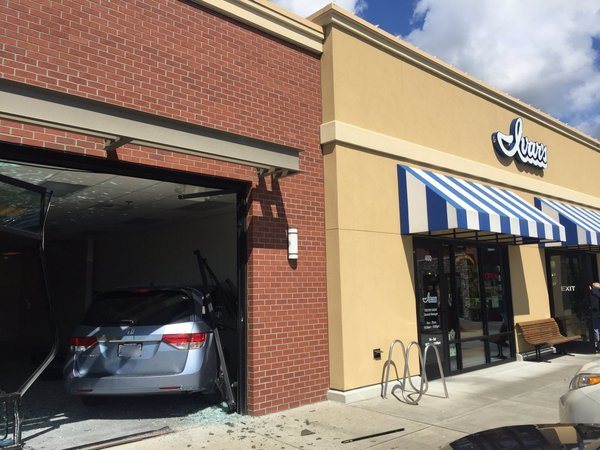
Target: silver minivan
{"type": "Point", "coordinates": [142, 341]}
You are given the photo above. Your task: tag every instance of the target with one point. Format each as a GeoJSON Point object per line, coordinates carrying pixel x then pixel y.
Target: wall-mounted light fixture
{"type": "Point", "coordinates": [292, 243]}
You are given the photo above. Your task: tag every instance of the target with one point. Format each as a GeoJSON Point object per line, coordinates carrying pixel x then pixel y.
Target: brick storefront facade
{"type": "Point", "coordinates": [176, 59]}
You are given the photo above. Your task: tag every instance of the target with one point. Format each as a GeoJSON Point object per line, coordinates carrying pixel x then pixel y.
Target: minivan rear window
{"type": "Point", "coordinates": [143, 308]}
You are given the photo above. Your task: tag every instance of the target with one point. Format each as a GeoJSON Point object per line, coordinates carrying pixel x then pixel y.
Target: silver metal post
{"type": "Point", "coordinates": [389, 363]}
{"type": "Point", "coordinates": [439, 362]}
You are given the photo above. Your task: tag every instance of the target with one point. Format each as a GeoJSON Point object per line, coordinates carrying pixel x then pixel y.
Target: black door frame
{"type": "Point", "coordinates": [35, 155]}
{"type": "Point", "coordinates": [435, 245]}
{"type": "Point", "coordinates": [589, 264]}
{"type": "Point", "coordinates": [444, 292]}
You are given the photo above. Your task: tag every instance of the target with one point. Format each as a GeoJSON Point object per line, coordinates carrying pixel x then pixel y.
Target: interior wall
{"type": "Point", "coordinates": [24, 324]}
{"type": "Point", "coordinates": [66, 273]}
{"type": "Point", "coordinates": [26, 333]}
{"type": "Point", "coordinates": [11, 283]}
{"type": "Point", "coordinates": [164, 255]}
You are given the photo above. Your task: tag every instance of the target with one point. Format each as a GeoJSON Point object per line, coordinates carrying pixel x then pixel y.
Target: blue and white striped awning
{"type": "Point", "coordinates": [432, 202]}
{"type": "Point", "coordinates": [582, 225]}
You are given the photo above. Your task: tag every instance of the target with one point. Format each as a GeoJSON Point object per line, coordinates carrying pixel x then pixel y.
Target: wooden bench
{"type": "Point", "coordinates": [543, 332]}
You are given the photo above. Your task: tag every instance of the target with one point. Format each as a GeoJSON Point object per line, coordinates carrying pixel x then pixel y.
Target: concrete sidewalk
{"type": "Point", "coordinates": [519, 392]}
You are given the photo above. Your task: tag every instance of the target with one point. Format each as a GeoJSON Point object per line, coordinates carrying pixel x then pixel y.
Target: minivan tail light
{"type": "Point", "coordinates": [82, 343]}
{"type": "Point", "coordinates": [185, 341]}
{"type": "Point", "coordinates": [140, 290]}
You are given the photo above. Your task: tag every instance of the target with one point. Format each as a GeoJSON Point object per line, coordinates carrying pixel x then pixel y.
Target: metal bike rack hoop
{"type": "Point", "coordinates": [406, 375]}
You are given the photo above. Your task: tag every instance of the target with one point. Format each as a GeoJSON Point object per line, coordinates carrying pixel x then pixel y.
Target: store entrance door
{"type": "Point", "coordinates": [432, 303]}
{"type": "Point", "coordinates": [570, 274]}
{"type": "Point", "coordinates": [462, 304]}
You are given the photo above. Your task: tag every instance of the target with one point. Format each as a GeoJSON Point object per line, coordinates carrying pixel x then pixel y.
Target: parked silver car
{"type": "Point", "coordinates": [582, 403]}
{"type": "Point", "coordinates": [142, 341]}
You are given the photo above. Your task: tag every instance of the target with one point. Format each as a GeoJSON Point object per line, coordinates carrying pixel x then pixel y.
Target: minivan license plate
{"type": "Point", "coordinates": [130, 350]}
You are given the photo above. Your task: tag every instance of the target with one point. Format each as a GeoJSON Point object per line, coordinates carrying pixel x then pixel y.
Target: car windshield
{"type": "Point", "coordinates": [140, 308]}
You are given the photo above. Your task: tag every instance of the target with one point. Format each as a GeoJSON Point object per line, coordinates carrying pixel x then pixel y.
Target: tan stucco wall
{"type": "Point", "coordinates": [380, 92]}
{"type": "Point", "coordinates": [370, 283]}
{"type": "Point", "coordinates": [411, 111]}
{"type": "Point", "coordinates": [528, 286]}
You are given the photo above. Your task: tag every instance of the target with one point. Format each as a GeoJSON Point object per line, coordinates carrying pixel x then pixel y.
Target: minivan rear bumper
{"type": "Point", "coordinates": [198, 376]}
{"type": "Point", "coordinates": [116, 385]}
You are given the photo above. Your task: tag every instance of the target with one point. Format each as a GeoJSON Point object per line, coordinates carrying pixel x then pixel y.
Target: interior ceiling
{"type": "Point", "coordinates": [96, 203]}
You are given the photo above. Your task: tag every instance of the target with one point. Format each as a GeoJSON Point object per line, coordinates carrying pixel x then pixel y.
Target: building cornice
{"type": "Point", "coordinates": [271, 19]}
{"type": "Point", "coordinates": [341, 133]}
{"type": "Point", "coordinates": [334, 16]}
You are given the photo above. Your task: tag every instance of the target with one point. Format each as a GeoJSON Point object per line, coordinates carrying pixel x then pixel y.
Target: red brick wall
{"type": "Point", "coordinates": [175, 59]}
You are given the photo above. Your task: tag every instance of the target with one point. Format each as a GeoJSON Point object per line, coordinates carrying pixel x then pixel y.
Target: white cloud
{"type": "Point", "coordinates": [305, 8]}
{"type": "Point", "coordinates": [537, 50]}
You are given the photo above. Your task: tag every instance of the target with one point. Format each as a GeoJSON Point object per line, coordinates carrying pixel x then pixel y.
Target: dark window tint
{"type": "Point", "coordinates": [146, 308]}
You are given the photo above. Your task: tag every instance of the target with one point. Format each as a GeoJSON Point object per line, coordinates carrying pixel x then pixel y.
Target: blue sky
{"type": "Point", "coordinates": [544, 52]}
{"type": "Point", "coordinates": [393, 16]}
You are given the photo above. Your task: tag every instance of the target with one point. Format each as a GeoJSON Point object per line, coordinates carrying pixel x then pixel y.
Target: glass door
{"type": "Point", "coordinates": [463, 304]}
{"type": "Point", "coordinates": [495, 293]}
{"type": "Point", "coordinates": [431, 303]}
{"type": "Point", "coordinates": [471, 315]}
{"type": "Point", "coordinates": [569, 275]}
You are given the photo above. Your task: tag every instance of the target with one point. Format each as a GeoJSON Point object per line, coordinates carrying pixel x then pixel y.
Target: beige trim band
{"type": "Point", "coordinates": [343, 133]}
{"type": "Point", "coordinates": [333, 15]}
{"type": "Point", "coordinates": [27, 104]}
{"type": "Point", "coordinates": [271, 19]}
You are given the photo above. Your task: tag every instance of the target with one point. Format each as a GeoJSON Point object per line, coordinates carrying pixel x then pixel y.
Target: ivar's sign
{"type": "Point", "coordinates": [520, 147]}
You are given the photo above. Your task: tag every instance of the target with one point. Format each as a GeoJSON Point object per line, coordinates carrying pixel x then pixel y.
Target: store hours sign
{"type": "Point", "coordinates": [515, 145]}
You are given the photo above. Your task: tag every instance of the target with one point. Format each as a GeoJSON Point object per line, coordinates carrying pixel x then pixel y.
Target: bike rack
{"type": "Point", "coordinates": [424, 386]}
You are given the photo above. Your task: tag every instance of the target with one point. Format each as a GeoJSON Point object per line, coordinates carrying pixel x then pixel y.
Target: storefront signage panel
{"type": "Point", "coordinates": [515, 145]}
